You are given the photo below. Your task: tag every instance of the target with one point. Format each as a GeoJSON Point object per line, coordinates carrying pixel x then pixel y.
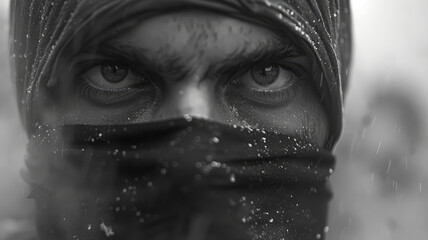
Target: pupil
{"type": "Point", "coordinates": [114, 73]}
{"type": "Point", "coordinates": [265, 74]}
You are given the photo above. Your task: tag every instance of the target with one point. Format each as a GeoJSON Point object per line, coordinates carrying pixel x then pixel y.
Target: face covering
{"type": "Point", "coordinates": [177, 179]}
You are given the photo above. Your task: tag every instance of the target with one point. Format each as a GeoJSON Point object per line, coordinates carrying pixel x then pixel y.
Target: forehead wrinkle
{"type": "Point", "coordinates": [200, 34]}
{"type": "Point", "coordinates": [171, 62]}
{"type": "Point", "coordinates": [168, 61]}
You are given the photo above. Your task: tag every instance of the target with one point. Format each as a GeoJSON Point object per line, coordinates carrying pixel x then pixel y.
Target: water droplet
{"type": "Point", "coordinates": [215, 140]}
{"type": "Point", "coordinates": [268, 3]}
{"type": "Point", "coordinates": [378, 147]}
{"type": "Point", "coordinates": [107, 230]}
{"type": "Point", "coordinates": [326, 228]}
{"type": "Point", "coordinates": [188, 118]}
{"type": "Point", "coordinates": [215, 164]}
{"type": "Point", "coordinates": [232, 178]}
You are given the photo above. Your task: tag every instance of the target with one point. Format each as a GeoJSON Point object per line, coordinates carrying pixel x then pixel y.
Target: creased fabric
{"type": "Point", "coordinates": [41, 29]}
{"type": "Point", "coordinates": [177, 179]}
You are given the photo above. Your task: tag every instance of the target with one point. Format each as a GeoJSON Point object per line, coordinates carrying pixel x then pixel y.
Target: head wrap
{"type": "Point", "coordinates": [181, 178]}
{"type": "Point", "coordinates": [42, 28]}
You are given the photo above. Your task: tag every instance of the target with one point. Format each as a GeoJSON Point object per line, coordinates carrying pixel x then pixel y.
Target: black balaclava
{"type": "Point", "coordinates": [180, 178]}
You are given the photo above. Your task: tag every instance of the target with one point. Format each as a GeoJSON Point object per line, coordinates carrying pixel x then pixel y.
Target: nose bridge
{"type": "Point", "coordinates": [193, 99]}
{"type": "Point", "coordinates": [188, 97]}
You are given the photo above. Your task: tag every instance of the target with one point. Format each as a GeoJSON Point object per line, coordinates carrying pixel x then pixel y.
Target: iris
{"type": "Point", "coordinates": [114, 73]}
{"type": "Point", "coordinates": [265, 75]}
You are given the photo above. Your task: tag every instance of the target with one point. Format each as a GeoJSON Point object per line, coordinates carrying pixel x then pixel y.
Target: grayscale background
{"type": "Point", "coordinates": [390, 55]}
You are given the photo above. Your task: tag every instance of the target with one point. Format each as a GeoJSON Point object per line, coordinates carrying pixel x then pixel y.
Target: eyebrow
{"type": "Point", "coordinates": [133, 55]}
{"type": "Point", "coordinates": [265, 52]}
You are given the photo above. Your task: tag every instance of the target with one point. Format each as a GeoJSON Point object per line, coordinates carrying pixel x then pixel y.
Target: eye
{"type": "Point", "coordinates": [265, 75]}
{"type": "Point", "coordinates": [114, 73]}
{"type": "Point", "coordinates": [111, 76]}
{"type": "Point", "coordinates": [111, 83]}
{"type": "Point", "coordinates": [269, 84]}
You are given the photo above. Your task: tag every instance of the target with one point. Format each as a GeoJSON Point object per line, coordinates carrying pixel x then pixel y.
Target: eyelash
{"type": "Point", "coordinates": [269, 97]}
{"type": "Point", "coordinates": [105, 97]}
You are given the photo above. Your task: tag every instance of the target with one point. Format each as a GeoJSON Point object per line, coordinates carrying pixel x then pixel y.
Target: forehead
{"type": "Point", "coordinates": [192, 35]}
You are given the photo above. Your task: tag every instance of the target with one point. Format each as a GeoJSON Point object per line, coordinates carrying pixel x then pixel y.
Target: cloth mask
{"type": "Point", "coordinates": [184, 179]}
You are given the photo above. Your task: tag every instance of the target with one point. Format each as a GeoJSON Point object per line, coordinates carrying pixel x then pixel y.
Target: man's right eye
{"type": "Point", "coordinates": [112, 76]}
{"type": "Point", "coordinates": [110, 83]}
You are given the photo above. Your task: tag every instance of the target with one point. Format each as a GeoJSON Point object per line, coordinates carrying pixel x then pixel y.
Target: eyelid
{"type": "Point", "coordinates": [245, 69]}
{"type": "Point", "coordinates": [104, 54]}
{"type": "Point", "coordinates": [117, 52]}
{"type": "Point", "coordinates": [288, 82]}
{"type": "Point", "coordinates": [93, 75]}
{"type": "Point", "coordinates": [85, 62]}
{"type": "Point", "coordinates": [298, 63]}
{"type": "Point", "coordinates": [269, 98]}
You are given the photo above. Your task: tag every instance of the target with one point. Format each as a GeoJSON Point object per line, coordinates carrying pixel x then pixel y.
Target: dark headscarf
{"type": "Point", "coordinates": [41, 29]}
{"type": "Point", "coordinates": [178, 179]}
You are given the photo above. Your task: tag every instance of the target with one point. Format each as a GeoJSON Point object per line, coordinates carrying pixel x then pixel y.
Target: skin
{"type": "Point", "coordinates": [192, 63]}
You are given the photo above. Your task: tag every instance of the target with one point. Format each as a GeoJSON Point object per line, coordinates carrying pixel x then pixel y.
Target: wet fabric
{"type": "Point", "coordinates": [42, 29]}
{"type": "Point", "coordinates": [177, 179]}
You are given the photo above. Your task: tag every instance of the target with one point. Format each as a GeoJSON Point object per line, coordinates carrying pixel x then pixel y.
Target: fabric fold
{"type": "Point", "coordinates": [171, 174]}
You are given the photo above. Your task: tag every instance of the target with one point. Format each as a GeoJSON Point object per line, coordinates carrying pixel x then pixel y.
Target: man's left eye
{"type": "Point", "coordinates": [267, 77]}
{"type": "Point", "coordinates": [269, 84]}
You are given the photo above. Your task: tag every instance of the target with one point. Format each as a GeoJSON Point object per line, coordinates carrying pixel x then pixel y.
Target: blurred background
{"type": "Point", "coordinates": [381, 178]}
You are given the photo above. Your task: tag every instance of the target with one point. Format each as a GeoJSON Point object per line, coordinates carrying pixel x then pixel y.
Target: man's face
{"type": "Point", "coordinates": [193, 63]}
